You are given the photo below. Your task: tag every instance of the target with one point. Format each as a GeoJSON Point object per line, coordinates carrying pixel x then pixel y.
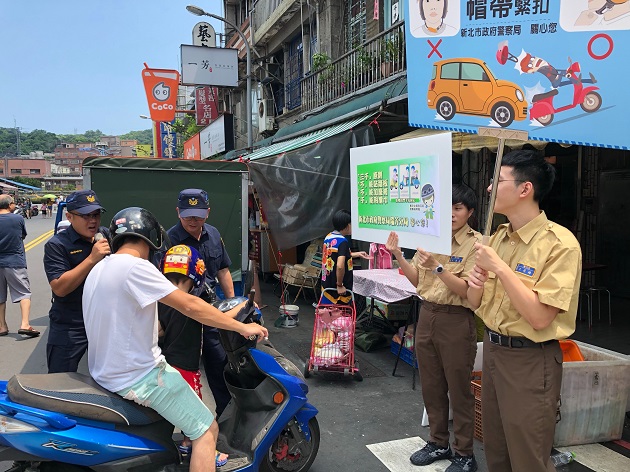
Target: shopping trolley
{"type": "Point", "coordinates": [332, 347]}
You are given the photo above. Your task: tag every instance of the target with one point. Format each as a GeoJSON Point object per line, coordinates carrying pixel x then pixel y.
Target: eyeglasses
{"type": "Point", "coordinates": [88, 217]}
{"type": "Point", "coordinates": [506, 180]}
{"type": "Point", "coordinates": [192, 218]}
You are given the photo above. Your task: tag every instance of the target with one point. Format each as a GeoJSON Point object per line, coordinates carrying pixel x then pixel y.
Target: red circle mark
{"type": "Point", "coordinates": [599, 57]}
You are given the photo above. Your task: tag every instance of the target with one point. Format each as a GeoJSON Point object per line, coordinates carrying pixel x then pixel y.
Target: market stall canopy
{"type": "Point", "coordinates": [472, 142]}
{"type": "Point", "coordinates": [7, 186]}
{"type": "Point", "coordinates": [19, 184]}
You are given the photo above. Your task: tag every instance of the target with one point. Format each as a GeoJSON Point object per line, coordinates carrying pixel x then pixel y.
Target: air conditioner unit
{"type": "Point", "coordinates": [265, 115]}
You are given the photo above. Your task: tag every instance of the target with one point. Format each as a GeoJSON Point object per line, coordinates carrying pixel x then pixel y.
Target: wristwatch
{"type": "Point", "coordinates": [439, 269]}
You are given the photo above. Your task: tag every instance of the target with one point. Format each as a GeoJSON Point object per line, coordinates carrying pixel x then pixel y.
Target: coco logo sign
{"type": "Point", "coordinates": [159, 85]}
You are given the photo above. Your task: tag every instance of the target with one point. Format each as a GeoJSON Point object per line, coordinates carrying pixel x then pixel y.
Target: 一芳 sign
{"type": "Point", "coordinates": [209, 66]}
{"type": "Point", "coordinates": [551, 68]}
{"type": "Point", "coordinates": [410, 193]}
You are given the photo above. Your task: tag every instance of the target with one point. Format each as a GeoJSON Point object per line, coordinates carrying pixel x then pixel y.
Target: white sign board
{"type": "Point", "coordinates": [203, 35]}
{"type": "Point", "coordinates": [209, 66]}
{"type": "Point", "coordinates": [409, 193]}
{"type": "Point", "coordinates": [212, 138]}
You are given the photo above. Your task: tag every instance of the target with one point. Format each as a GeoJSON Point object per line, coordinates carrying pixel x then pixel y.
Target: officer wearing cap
{"type": "Point", "coordinates": [193, 208]}
{"type": "Point", "coordinates": [69, 256]}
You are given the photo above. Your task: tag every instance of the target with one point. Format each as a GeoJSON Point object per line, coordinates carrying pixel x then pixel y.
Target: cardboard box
{"type": "Point", "coordinates": [398, 311]}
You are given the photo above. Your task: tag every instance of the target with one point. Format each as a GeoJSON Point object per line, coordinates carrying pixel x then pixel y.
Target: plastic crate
{"type": "Point", "coordinates": [475, 388]}
{"type": "Point", "coordinates": [238, 290]}
{"type": "Point", "coordinates": [406, 355]}
{"type": "Point", "coordinates": [570, 351]}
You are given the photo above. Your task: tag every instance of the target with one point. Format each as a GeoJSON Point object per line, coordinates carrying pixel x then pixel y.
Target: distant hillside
{"type": "Point", "coordinates": [40, 140]}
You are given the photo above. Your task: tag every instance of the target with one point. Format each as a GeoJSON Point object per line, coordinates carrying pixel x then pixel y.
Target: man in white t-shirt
{"type": "Point", "coordinates": [120, 313]}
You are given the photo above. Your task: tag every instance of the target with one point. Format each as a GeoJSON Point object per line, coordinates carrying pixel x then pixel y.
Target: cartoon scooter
{"type": "Point", "coordinates": [543, 109]}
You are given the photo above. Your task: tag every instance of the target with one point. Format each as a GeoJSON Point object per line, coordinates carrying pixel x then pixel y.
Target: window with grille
{"type": "Point", "coordinates": [356, 28]}
{"type": "Point", "coordinates": [294, 73]}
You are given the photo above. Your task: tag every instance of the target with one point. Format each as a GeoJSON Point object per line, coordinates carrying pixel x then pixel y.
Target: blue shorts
{"type": "Point", "coordinates": [165, 390]}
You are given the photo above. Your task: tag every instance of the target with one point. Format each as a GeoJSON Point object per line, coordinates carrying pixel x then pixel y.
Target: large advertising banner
{"type": "Point", "coordinates": [410, 193]}
{"type": "Point", "coordinates": [553, 68]}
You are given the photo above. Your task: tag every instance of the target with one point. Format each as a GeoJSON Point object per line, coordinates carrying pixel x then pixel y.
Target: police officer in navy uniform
{"type": "Point", "coordinates": [192, 230]}
{"type": "Point", "coordinates": [69, 257]}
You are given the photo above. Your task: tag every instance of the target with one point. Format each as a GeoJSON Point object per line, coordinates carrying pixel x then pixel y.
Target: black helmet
{"type": "Point", "coordinates": [135, 221]}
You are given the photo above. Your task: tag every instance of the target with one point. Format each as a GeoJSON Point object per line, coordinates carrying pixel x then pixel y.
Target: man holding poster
{"type": "Point", "coordinates": [445, 337]}
{"type": "Point", "coordinates": [525, 286]}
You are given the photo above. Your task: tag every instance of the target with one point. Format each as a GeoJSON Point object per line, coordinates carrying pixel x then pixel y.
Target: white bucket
{"type": "Point", "coordinates": [290, 313]}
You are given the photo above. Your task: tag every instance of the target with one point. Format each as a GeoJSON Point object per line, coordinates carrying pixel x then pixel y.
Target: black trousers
{"type": "Point", "coordinates": [65, 358]}
{"type": "Point", "coordinates": [214, 361]}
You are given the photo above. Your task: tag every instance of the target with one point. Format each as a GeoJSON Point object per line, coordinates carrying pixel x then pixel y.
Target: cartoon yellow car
{"type": "Point", "coordinates": [466, 85]}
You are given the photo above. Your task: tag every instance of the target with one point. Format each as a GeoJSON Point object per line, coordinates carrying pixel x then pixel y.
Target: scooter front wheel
{"type": "Point", "coordinates": [291, 451]}
{"type": "Point", "coordinates": [592, 101]}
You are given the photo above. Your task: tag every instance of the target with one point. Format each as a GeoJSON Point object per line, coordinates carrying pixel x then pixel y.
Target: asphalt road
{"type": "Point", "coordinates": [352, 415]}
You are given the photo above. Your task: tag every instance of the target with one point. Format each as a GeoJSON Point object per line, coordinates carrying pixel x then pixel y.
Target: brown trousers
{"type": "Point", "coordinates": [520, 389]}
{"type": "Point", "coordinates": [446, 345]}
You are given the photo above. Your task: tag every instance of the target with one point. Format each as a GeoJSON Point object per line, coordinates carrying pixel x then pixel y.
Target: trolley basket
{"type": "Point", "coordinates": [332, 347]}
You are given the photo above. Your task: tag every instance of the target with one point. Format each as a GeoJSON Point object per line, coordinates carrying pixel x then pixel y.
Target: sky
{"type": "Point", "coordinates": [69, 66]}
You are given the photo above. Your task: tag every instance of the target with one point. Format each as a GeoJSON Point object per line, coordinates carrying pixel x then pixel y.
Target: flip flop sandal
{"type": "Point", "coordinates": [4, 333]}
{"type": "Point", "coordinates": [219, 462]}
{"type": "Point", "coordinates": [30, 332]}
{"type": "Point", "coordinates": [185, 449]}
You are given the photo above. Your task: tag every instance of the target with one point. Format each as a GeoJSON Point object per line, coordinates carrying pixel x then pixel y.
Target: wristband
{"type": "Point", "coordinates": [340, 285]}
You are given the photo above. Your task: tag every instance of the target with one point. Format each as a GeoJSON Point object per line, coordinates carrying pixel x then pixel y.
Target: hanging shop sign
{"type": "Point", "coordinates": [160, 86]}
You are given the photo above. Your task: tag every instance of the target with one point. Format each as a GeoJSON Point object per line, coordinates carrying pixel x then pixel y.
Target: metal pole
{"type": "Point", "coordinates": [249, 75]}
{"type": "Point", "coordinates": [493, 192]}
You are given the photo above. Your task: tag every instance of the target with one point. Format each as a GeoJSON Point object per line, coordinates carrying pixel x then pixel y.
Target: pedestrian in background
{"type": "Point", "coordinates": [337, 259]}
{"type": "Point", "coordinates": [69, 256]}
{"type": "Point", "coordinates": [525, 285]}
{"type": "Point", "coordinates": [445, 337]}
{"type": "Point", "coordinates": [13, 274]}
{"type": "Point", "coordinates": [193, 208]}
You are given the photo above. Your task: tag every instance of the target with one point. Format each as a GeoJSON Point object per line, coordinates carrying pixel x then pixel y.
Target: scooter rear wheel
{"type": "Point", "coordinates": [545, 119]}
{"type": "Point", "coordinates": [298, 453]}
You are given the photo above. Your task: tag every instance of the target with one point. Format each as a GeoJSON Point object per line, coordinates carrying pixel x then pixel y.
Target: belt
{"type": "Point", "coordinates": [446, 308]}
{"type": "Point", "coordinates": [514, 341]}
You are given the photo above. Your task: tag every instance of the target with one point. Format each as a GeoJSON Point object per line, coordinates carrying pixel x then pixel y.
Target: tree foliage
{"type": "Point", "coordinates": [144, 136]}
{"type": "Point", "coordinates": [41, 140]}
{"type": "Point", "coordinates": [28, 181]}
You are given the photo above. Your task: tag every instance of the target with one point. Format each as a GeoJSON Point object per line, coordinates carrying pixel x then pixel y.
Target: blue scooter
{"type": "Point", "coordinates": [68, 423]}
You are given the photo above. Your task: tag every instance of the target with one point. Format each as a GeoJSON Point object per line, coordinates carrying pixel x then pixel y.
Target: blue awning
{"type": "Point", "coordinates": [20, 184]}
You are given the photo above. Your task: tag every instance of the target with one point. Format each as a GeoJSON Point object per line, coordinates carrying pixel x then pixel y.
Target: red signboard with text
{"type": "Point", "coordinates": [206, 110]}
{"type": "Point", "coordinates": [192, 148]}
{"type": "Point", "coordinates": [160, 86]}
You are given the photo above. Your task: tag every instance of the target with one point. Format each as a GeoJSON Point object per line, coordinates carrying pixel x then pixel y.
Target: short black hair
{"type": "Point", "coordinates": [341, 219]}
{"type": "Point", "coordinates": [529, 166]}
{"type": "Point", "coordinates": [464, 194]}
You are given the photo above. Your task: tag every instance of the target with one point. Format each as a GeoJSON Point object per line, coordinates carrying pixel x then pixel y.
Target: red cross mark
{"type": "Point", "coordinates": [434, 48]}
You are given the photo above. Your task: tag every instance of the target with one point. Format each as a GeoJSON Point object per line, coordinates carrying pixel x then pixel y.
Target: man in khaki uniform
{"type": "Point", "coordinates": [525, 285]}
{"type": "Point", "coordinates": [445, 337]}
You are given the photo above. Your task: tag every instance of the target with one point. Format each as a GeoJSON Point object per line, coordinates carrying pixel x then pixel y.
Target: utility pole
{"type": "Point", "coordinates": [17, 134]}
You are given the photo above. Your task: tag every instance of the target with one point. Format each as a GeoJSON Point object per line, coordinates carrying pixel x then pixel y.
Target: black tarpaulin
{"type": "Point", "coordinates": [300, 190]}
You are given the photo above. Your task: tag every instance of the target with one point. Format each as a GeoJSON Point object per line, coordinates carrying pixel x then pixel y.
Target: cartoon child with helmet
{"type": "Point", "coordinates": [428, 197]}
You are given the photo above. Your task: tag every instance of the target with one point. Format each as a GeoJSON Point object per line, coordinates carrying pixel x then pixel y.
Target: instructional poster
{"type": "Point", "coordinates": [553, 68]}
{"type": "Point", "coordinates": [410, 194]}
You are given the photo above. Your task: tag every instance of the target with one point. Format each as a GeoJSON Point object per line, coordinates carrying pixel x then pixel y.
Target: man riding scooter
{"type": "Point", "coordinates": [119, 308]}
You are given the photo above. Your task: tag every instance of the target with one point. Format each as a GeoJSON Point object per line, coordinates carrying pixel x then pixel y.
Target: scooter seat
{"type": "Point", "coordinates": [542, 96]}
{"type": "Point", "coordinates": [77, 395]}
